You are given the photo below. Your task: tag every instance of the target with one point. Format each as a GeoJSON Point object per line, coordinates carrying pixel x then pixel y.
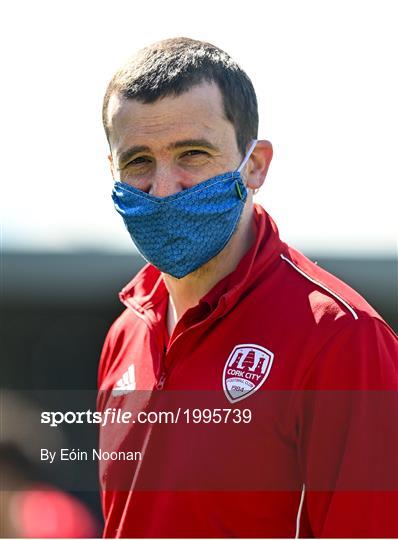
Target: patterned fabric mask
{"type": "Point", "coordinates": [181, 232]}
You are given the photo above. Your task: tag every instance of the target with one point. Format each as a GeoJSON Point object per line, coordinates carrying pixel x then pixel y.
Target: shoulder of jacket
{"type": "Point", "coordinates": [325, 293]}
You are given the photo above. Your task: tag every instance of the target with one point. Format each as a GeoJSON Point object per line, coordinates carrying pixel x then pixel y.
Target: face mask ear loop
{"type": "Point", "coordinates": [245, 160]}
{"type": "Point", "coordinates": [247, 156]}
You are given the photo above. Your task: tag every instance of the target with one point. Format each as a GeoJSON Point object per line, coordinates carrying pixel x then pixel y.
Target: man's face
{"type": "Point", "coordinates": [172, 144]}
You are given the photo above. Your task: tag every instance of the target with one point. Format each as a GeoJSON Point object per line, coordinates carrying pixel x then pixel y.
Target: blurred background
{"type": "Point", "coordinates": [326, 85]}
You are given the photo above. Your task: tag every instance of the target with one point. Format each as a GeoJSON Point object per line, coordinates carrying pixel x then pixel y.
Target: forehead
{"type": "Point", "coordinates": [197, 113]}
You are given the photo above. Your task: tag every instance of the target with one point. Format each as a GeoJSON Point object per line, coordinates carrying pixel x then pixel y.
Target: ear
{"type": "Point", "coordinates": [259, 162]}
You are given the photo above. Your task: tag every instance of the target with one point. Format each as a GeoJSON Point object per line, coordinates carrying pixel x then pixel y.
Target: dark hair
{"type": "Point", "coordinates": [173, 66]}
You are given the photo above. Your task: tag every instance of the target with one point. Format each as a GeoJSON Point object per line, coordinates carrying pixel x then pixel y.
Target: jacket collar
{"type": "Point", "coordinates": [147, 288]}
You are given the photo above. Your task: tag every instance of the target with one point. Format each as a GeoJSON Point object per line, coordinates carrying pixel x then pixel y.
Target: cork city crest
{"type": "Point", "coordinates": [246, 370]}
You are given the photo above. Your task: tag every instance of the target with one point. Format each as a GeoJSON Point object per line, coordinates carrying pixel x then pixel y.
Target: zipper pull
{"type": "Point", "coordinates": [161, 381]}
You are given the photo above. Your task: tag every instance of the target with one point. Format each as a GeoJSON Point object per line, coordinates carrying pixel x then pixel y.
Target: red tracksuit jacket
{"type": "Point", "coordinates": [308, 356]}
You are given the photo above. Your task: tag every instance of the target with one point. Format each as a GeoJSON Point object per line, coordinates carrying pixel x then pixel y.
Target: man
{"type": "Point", "coordinates": [227, 317]}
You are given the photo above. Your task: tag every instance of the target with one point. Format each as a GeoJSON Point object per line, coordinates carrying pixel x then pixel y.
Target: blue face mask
{"type": "Point", "coordinates": [183, 231]}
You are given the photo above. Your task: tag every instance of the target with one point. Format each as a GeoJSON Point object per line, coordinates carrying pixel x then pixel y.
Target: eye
{"type": "Point", "coordinates": [195, 153]}
{"type": "Point", "coordinates": [194, 158]}
{"type": "Point", "coordinates": [140, 160]}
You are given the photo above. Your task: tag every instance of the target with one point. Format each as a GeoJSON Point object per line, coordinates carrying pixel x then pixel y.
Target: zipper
{"type": "Point", "coordinates": [140, 313]}
{"type": "Point", "coordinates": [161, 381]}
{"type": "Point", "coordinates": [163, 375]}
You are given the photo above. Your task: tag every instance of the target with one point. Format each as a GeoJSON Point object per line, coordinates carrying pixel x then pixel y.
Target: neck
{"type": "Point", "coordinates": [186, 292]}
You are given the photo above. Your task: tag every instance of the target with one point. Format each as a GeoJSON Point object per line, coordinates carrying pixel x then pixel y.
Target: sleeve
{"type": "Point", "coordinates": [105, 358]}
{"type": "Point", "coordinates": [113, 345]}
{"type": "Point", "coordinates": [348, 435]}
{"type": "Point", "coordinates": [109, 351]}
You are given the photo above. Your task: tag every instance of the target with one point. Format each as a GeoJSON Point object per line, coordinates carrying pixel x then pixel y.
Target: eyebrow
{"type": "Point", "coordinates": [130, 152]}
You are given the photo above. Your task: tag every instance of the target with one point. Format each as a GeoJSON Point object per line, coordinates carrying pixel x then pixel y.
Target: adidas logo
{"type": "Point", "coordinates": [126, 384]}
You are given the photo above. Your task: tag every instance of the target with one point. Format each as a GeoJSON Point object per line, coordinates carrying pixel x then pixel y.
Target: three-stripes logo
{"type": "Point", "coordinates": [126, 383]}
